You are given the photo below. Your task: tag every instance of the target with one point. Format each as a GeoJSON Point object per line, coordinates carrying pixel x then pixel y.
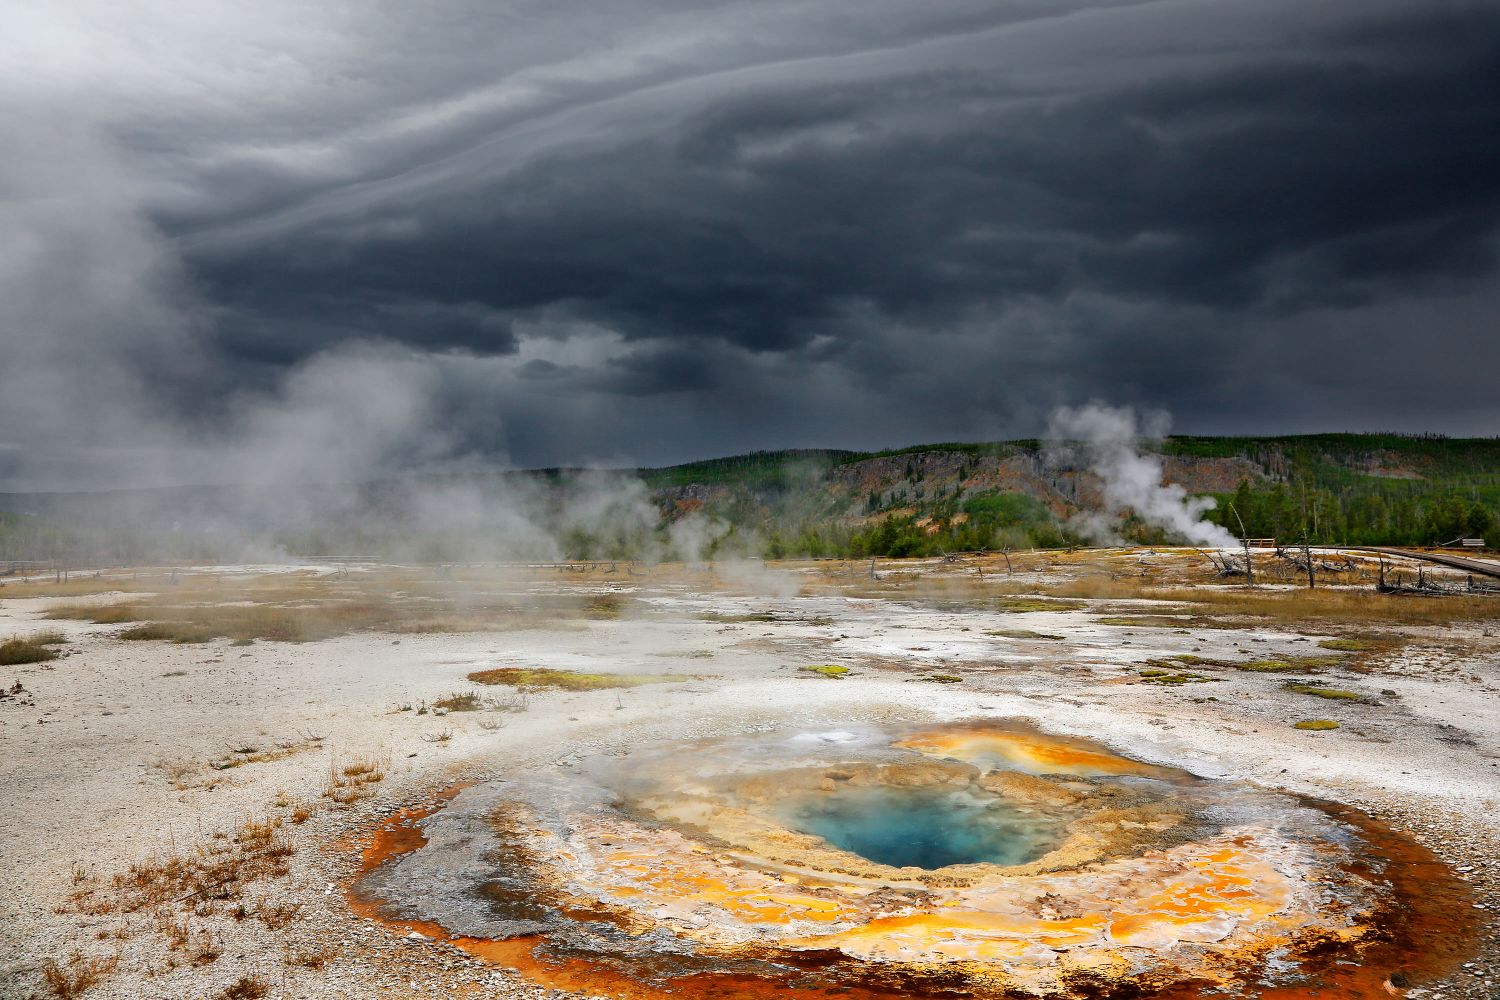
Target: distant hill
{"type": "Point", "coordinates": [1355, 488]}
{"type": "Point", "coordinates": [1335, 488]}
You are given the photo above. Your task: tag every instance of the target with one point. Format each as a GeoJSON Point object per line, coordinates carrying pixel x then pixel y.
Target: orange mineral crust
{"type": "Point", "coordinates": [1278, 908]}
{"type": "Point", "coordinates": [1244, 893]}
{"type": "Point", "coordinates": [1024, 750]}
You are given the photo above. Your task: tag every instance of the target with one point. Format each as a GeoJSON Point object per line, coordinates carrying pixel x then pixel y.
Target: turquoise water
{"type": "Point", "coordinates": [923, 827]}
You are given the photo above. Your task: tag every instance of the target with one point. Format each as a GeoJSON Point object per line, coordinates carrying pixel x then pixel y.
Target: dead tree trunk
{"type": "Point", "coordinates": [1245, 539]}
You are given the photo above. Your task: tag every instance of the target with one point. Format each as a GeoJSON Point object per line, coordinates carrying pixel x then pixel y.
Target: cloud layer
{"type": "Point", "coordinates": [647, 230]}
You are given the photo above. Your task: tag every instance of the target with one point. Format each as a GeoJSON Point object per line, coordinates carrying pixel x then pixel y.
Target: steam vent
{"type": "Point", "coordinates": [983, 859]}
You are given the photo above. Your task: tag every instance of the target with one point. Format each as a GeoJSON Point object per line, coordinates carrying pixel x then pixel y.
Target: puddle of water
{"type": "Point", "coordinates": [923, 827]}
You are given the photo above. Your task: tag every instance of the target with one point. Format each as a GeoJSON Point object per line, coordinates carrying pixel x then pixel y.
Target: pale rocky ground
{"type": "Point", "coordinates": [86, 753]}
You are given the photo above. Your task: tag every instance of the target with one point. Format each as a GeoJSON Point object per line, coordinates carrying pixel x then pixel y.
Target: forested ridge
{"type": "Point", "coordinates": [914, 501]}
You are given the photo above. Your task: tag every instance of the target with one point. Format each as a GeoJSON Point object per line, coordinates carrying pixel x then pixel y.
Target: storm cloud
{"type": "Point", "coordinates": [644, 231]}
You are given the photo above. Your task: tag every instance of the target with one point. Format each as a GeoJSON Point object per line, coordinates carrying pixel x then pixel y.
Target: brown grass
{"type": "Point", "coordinates": [81, 974]}
{"type": "Point", "coordinates": [218, 869]}
{"type": "Point", "coordinates": [250, 987]}
{"type": "Point", "coordinates": [180, 632]}
{"type": "Point", "coordinates": [276, 916]}
{"type": "Point", "coordinates": [460, 701]}
{"type": "Point", "coordinates": [198, 944]}
{"type": "Point", "coordinates": [1326, 604]}
{"type": "Point", "coordinates": [352, 780]}
{"type": "Point", "coordinates": [308, 956]}
{"type": "Point", "coordinates": [30, 649]}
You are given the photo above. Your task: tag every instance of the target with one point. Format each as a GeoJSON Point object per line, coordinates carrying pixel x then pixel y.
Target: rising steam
{"type": "Point", "coordinates": [1107, 439]}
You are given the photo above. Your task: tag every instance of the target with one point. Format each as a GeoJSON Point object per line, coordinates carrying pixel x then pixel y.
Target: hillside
{"type": "Point", "coordinates": [1335, 488]}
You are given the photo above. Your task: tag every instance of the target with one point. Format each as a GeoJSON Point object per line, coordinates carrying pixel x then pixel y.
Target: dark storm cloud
{"type": "Point", "coordinates": [652, 229]}
{"type": "Point", "coordinates": [1282, 178]}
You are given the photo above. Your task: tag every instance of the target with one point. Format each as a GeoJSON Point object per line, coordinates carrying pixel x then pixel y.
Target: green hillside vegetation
{"type": "Point", "coordinates": [917, 501]}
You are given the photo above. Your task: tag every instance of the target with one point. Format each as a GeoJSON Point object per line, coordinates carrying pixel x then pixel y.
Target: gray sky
{"type": "Point", "coordinates": [289, 239]}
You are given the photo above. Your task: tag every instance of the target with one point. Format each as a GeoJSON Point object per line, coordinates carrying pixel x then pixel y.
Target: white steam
{"type": "Point", "coordinates": [361, 449]}
{"type": "Point", "coordinates": [1108, 440]}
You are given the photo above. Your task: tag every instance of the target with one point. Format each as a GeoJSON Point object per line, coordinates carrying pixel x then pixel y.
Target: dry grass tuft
{"type": "Point", "coordinates": [219, 869]}
{"type": "Point", "coordinates": [308, 956]}
{"type": "Point", "coordinates": [250, 987]}
{"type": "Point", "coordinates": [352, 780]}
{"type": "Point", "coordinates": [179, 632]}
{"type": "Point", "coordinates": [605, 607]}
{"type": "Point", "coordinates": [198, 945]}
{"type": "Point", "coordinates": [30, 649]}
{"type": "Point", "coordinates": [81, 974]}
{"type": "Point", "coordinates": [276, 916]}
{"type": "Point", "coordinates": [460, 701]}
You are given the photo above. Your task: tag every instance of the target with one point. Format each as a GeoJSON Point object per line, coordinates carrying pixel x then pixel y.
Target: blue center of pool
{"type": "Point", "coordinates": [923, 827]}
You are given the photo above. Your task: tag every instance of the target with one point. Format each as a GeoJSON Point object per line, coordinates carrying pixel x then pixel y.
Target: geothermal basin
{"type": "Point", "coordinates": [987, 858]}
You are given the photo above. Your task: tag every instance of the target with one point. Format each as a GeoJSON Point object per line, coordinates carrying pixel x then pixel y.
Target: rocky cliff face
{"type": "Point", "coordinates": [914, 481]}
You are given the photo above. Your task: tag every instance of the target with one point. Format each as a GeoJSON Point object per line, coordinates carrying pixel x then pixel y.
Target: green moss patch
{"type": "Point", "coordinates": [829, 670]}
{"type": "Point", "coordinates": [1156, 675]}
{"type": "Point", "coordinates": [1347, 645]}
{"type": "Point", "coordinates": [1315, 725]}
{"type": "Point", "coordinates": [1289, 665]}
{"type": "Point", "coordinates": [1319, 691]}
{"type": "Point", "coordinates": [567, 680]}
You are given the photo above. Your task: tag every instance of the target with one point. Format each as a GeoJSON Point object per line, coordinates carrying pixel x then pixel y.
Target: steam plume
{"type": "Point", "coordinates": [1109, 439]}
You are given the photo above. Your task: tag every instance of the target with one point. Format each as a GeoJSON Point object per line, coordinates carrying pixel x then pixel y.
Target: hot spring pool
{"type": "Point", "coordinates": [923, 827]}
{"type": "Point", "coordinates": [986, 857]}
